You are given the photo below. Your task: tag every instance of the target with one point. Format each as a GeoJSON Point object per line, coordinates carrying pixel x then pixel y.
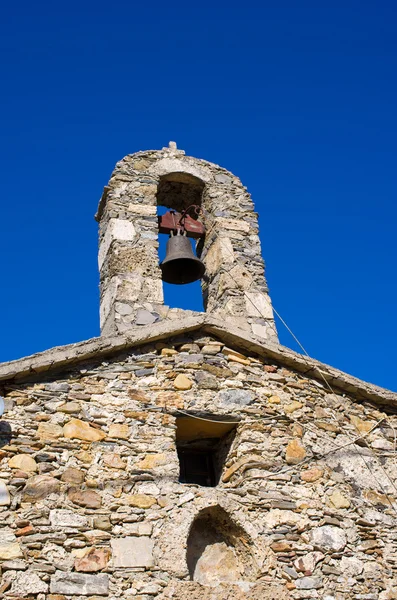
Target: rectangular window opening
{"type": "Point", "coordinates": [202, 447]}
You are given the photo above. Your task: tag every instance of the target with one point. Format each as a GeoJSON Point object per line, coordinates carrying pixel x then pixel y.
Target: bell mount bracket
{"type": "Point", "coordinates": [173, 222]}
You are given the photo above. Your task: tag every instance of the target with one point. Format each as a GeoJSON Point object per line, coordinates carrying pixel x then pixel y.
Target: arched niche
{"type": "Point", "coordinates": [219, 550]}
{"type": "Point", "coordinates": [179, 191]}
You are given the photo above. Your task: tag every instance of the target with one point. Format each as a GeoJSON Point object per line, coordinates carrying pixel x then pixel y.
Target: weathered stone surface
{"type": "Point", "coordinates": [295, 452]}
{"type": "Point", "coordinates": [311, 475]}
{"type": "Point", "coordinates": [338, 500]}
{"type": "Point", "coordinates": [57, 386]}
{"type": "Point", "coordinates": [351, 566]}
{"type": "Point", "coordinates": [67, 518]}
{"type": "Point", "coordinates": [220, 253]}
{"type": "Point", "coordinates": [144, 317]}
{"type": "Point", "coordinates": [102, 522]}
{"type": "Point", "coordinates": [293, 406]}
{"type": "Point", "coordinates": [307, 563]}
{"type": "Point", "coordinates": [276, 517]}
{"type": "Point", "coordinates": [88, 498]}
{"type": "Point", "coordinates": [217, 564]}
{"type": "Point", "coordinates": [72, 475]}
{"type": "Point", "coordinates": [132, 552]}
{"type": "Point", "coordinates": [119, 431]}
{"type": "Point", "coordinates": [235, 356]}
{"type": "Point", "coordinates": [151, 461]}
{"type": "Point", "coordinates": [5, 498]}
{"type": "Point", "coordinates": [170, 400]}
{"type": "Point", "coordinates": [235, 397]}
{"type": "Point", "coordinates": [24, 584]}
{"type": "Point", "coordinates": [96, 559]}
{"type": "Point", "coordinates": [49, 431]}
{"type": "Point", "coordinates": [77, 584]}
{"type": "Point", "coordinates": [114, 461]}
{"type": "Point", "coordinates": [39, 487]}
{"type": "Point", "coordinates": [361, 425]}
{"type": "Point", "coordinates": [206, 381]}
{"type": "Point", "coordinates": [10, 550]}
{"type": "Point", "coordinates": [141, 500]}
{"type": "Point", "coordinates": [182, 382]}
{"type": "Point", "coordinates": [274, 399]}
{"type": "Point", "coordinates": [82, 431]}
{"type": "Point", "coordinates": [168, 352]}
{"type": "Point", "coordinates": [230, 471]}
{"type": "Point", "coordinates": [258, 305]}
{"type": "Point", "coordinates": [14, 565]}
{"type": "Point", "coordinates": [328, 538]}
{"type": "Point", "coordinates": [69, 408]}
{"type": "Point", "coordinates": [24, 462]}
{"type": "Point", "coordinates": [118, 229]}
{"type": "Point", "coordinates": [309, 583]}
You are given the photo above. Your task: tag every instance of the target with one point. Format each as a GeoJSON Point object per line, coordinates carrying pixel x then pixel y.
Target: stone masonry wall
{"type": "Point", "coordinates": [91, 506]}
{"type": "Point", "coordinates": [234, 286]}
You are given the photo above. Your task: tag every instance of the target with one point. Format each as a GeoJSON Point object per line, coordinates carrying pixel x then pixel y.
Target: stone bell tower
{"type": "Point", "coordinates": [233, 286]}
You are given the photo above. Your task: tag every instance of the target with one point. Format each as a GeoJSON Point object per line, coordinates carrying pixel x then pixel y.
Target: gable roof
{"type": "Point", "coordinates": [59, 357]}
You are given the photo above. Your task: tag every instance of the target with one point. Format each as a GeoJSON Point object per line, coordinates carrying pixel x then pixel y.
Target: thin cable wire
{"type": "Point", "coordinates": [325, 381]}
{"type": "Point", "coordinates": [209, 420]}
{"type": "Point", "coordinates": [313, 457]}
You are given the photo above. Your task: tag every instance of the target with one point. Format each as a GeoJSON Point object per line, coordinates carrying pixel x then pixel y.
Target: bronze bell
{"type": "Point", "coordinates": [180, 265]}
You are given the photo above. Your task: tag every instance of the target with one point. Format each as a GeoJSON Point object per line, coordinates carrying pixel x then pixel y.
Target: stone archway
{"type": "Point", "coordinates": [218, 550]}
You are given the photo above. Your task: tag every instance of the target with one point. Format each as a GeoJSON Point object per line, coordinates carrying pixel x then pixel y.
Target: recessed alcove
{"type": "Point", "coordinates": [203, 446]}
{"type": "Point", "coordinates": [179, 190]}
{"type": "Point", "coordinates": [219, 550]}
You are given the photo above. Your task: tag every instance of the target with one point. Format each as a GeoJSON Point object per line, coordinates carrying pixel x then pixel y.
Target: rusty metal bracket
{"type": "Point", "coordinates": [172, 222]}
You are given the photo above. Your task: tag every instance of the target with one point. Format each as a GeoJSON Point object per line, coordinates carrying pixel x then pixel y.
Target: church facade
{"type": "Point", "coordinates": [186, 454]}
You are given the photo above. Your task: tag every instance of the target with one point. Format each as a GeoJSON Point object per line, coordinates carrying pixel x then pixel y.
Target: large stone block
{"type": "Point", "coordinates": [220, 253]}
{"type": "Point", "coordinates": [39, 487]}
{"type": "Point", "coordinates": [258, 305]}
{"type": "Point", "coordinates": [5, 497]}
{"type": "Point", "coordinates": [235, 397]}
{"type": "Point", "coordinates": [10, 551]}
{"type": "Point", "coordinates": [79, 584]}
{"type": "Point", "coordinates": [25, 584]}
{"type": "Point", "coordinates": [81, 430]}
{"type": "Point", "coordinates": [233, 224]}
{"type": "Point", "coordinates": [67, 518]}
{"type": "Point", "coordinates": [133, 552]}
{"type": "Point", "coordinates": [117, 229]}
{"type": "Point", "coordinates": [328, 538]}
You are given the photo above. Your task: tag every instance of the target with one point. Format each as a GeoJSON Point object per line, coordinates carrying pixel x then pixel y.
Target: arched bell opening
{"type": "Point", "coordinates": [218, 550]}
{"type": "Point", "coordinates": [178, 191]}
{"type": "Point", "coordinates": [181, 194]}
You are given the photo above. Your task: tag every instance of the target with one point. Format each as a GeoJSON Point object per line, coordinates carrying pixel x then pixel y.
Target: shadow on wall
{"type": "Point", "coordinates": [218, 550]}
{"type": "Point", "coordinates": [5, 433]}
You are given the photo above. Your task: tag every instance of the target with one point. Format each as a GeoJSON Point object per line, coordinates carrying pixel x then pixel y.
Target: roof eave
{"type": "Point", "coordinates": [56, 358]}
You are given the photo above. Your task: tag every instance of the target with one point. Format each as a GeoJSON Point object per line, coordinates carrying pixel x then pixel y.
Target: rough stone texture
{"type": "Point", "coordinates": [24, 462]}
{"type": "Point", "coordinates": [329, 538]}
{"type": "Point", "coordinates": [61, 356]}
{"type": "Point", "coordinates": [5, 498]}
{"type": "Point", "coordinates": [303, 502]}
{"type": "Point", "coordinates": [233, 286]}
{"type": "Point", "coordinates": [94, 560]}
{"type": "Point", "coordinates": [67, 518]}
{"type": "Point", "coordinates": [39, 487]}
{"type": "Point", "coordinates": [81, 585]}
{"type": "Point", "coordinates": [319, 527]}
{"type": "Point", "coordinates": [24, 584]}
{"type": "Point", "coordinates": [82, 431]}
{"type": "Point", "coordinates": [133, 552]}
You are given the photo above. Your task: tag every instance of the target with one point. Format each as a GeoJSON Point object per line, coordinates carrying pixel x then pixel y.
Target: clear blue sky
{"type": "Point", "coordinates": [297, 98]}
